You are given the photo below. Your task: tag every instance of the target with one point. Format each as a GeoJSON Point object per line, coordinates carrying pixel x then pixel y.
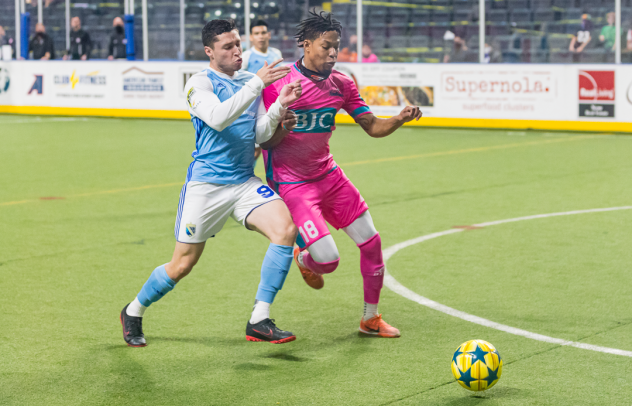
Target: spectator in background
{"type": "Point", "coordinates": [455, 47]}
{"type": "Point", "coordinates": [367, 55]}
{"type": "Point", "coordinates": [626, 47]}
{"type": "Point", "coordinates": [118, 43]}
{"type": "Point", "coordinates": [41, 44]}
{"type": "Point", "coordinates": [608, 35]}
{"type": "Point", "coordinates": [6, 40]}
{"type": "Point", "coordinates": [80, 44]}
{"type": "Point", "coordinates": [581, 39]}
{"type": "Point", "coordinates": [544, 49]}
{"type": "Point", "coordinates": [514, 51]}
{"type": "Point", "coordinates": [261, 51]}
{"type": "Point", "coordinates": [492, 52]}
{"type": "Point", "coordinates": [349, 53]}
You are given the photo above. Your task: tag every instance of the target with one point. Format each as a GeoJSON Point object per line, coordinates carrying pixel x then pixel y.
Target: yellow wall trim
{"type": "Point", "coordinates": [97, 112]}
{"type": "Point", "coordinates": [590, 126]}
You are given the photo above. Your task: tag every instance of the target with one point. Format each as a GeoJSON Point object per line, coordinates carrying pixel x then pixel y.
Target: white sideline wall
{"type": "Point", "coordinates": [519, 96]}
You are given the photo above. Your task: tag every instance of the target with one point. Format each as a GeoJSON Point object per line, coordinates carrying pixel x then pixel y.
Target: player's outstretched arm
{"type": "Point", "coordinates": [288, 124]}
{"type": "Point", "coordinates": [204, 103]}
{"type": "Point", "coordinates": [381, 127]}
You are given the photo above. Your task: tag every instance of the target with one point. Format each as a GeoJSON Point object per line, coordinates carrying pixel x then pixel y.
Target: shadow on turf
{"type": "Point", "coordinates": [285, 357]}
{"type": "Point", "coordinates": [206, 341]}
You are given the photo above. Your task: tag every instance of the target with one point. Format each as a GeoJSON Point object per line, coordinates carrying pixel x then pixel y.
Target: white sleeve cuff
{"type": "Point", "coordinates": [276, 111]}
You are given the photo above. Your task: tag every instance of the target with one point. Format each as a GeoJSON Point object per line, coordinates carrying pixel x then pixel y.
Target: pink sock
{"type": "Point", "coordinates": [372, 268]}
{"type": "Point", "coordinates": [319, 267]}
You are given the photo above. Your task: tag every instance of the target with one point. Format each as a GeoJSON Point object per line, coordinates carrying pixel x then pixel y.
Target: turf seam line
{"type": "Point", "coordinates": [395, 286]}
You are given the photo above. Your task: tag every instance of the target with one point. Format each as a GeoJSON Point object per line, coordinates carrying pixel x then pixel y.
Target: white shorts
{"type": "Point", "coordinates": [205, 207]}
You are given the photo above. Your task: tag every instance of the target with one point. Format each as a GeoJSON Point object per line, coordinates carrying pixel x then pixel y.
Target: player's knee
{"type": "Point", "coordinates": [284, 234]}
{"type": "Point", "coordinates": [181, 268]}
{"type": "Point", "coordinates": [329, 267]}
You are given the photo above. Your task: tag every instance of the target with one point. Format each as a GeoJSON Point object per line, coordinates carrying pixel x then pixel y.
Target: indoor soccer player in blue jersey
{"type": "Point", "coordinates": [220, 182]}
{"type": "Point", "coordinates": [261, 51]}
{"type": "Point", "coordinates": [258, 55]}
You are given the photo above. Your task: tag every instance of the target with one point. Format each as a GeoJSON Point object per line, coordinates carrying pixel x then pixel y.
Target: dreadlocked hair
{"type": "Point", "coordinates": [316, 25]}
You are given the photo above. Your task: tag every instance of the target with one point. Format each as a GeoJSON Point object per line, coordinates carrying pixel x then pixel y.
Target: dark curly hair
{"type": "Point", "coordinates": [214, 28]}
{"type": "Point", "coordinates": [316, 25]}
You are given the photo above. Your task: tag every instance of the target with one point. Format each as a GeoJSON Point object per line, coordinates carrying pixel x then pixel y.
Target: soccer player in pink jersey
{"type": "Point", "coordinates": [301, 169]}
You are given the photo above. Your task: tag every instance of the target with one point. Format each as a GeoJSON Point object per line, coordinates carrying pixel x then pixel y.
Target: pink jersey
{"type": "Point", "coordinates": [304, 155]}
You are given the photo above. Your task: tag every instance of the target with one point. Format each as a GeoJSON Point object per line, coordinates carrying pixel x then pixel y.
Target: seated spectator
{"type": "Point", "coordinates": [608, 35]}
{"type": "Point", "coordinates": [367, 54]}
{"type": "Point", "coordinates": [629, 40]}
{"type": "Point", "coordinates": [41, 44]}
{"type": "Point", "coordinates": [581, 39]}
{"type": "Point", "coordinates": [514, 51]}
{"type": "Point", "coordinates": [80, 43]}
{"type": "Point", "coordinates": [6, 40]}
{"type": "Point", "coordinates": [544, 50]}
{"type": "Point", "coordinates": [118, 43]}
{"type": "Point", "coordinates": [455, 47]}
{"type": "Point", "coordinates": [349, 53]}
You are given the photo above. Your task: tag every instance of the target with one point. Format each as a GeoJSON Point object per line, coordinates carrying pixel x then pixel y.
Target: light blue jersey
{"type": "Point", "coordinates": [253, 60]}
{"type": "Point", "coordinates": [224, 127]}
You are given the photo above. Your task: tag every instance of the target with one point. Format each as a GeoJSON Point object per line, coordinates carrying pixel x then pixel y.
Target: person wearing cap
{"type": "Point", "coordinates": [581, 39]}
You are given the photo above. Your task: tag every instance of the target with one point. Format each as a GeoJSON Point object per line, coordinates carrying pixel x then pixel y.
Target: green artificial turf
{"type": "Point", "coordinates": [71, 261]}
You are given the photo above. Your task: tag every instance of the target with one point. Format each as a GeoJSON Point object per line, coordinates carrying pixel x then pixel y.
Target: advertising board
{"type": "Point", "coordinates": [577, 97]}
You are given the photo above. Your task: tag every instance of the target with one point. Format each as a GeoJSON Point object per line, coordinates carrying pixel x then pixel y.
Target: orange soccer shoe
{"type": "Point", "coordinates": [375, 326]}
{"type": "Point", "coordinates": [313, 279]}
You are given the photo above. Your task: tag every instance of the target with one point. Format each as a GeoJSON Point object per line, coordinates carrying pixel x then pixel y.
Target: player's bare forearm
{"type": "Point", "coordinates": [287, 124]}
{"type": "Point", "coordinates": [379, 127]}
{"type": "Point", "coordinates": [276, 139]}
{"type": "Point", "coordinates": [382, 127]}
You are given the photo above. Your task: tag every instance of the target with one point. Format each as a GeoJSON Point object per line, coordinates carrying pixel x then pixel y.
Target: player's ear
{"type": "Point", "coordinates": [209, 52]}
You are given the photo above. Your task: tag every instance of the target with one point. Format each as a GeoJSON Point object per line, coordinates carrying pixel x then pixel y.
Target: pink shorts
{"type": "Point", "coordinates": [334, 200]}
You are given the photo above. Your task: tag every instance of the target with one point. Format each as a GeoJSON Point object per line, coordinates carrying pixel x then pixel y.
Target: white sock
{"type": "Point", "coordinates": [300, 259]}
{"type": "Point", "coordinates": [260, 311]}
{"type": "Point", "coordinates": [370, 310]}
{"type": "Point", "coordinates": [136, 309]}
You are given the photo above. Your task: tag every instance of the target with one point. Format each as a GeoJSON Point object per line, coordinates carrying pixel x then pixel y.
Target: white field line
{"type": "Point", "coordinates": [400, 289]}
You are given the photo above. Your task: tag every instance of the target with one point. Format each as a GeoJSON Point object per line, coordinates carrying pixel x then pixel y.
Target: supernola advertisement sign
{"type": "Point", "coordinates": [521, 92]}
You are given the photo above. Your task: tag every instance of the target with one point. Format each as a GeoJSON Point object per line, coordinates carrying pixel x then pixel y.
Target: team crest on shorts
{"type": "Point", "coordinates": [190, 230]}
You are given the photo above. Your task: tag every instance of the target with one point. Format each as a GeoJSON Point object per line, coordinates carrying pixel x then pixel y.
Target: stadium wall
{"type": "Point", "coordinates": [516, 96]}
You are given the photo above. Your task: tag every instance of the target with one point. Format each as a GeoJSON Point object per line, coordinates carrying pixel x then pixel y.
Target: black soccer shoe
{"type": "Point", "coordinates": [132, 329]}
{"type": "Point", "coordinates": [266, 330]}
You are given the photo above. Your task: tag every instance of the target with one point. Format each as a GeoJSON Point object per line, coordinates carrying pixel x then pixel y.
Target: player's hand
{"type": "Point", "coordinates": [410, 113]}
{"type": "Point", "coordinates": [271, 73]}
{"type": "Point", "coordinates": [289, 120]}
{"type": "Point", "coordinates": [290, 93]}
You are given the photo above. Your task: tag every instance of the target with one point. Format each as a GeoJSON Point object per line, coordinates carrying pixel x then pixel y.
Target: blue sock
{"type": "Point", "coordinates": [274, 269]}
{"type": "Point", "coordinates": [158, 285]}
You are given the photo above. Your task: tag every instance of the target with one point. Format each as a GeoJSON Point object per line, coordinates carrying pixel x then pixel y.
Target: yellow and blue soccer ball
{"type": "Point", "coordinates": [477, 365]}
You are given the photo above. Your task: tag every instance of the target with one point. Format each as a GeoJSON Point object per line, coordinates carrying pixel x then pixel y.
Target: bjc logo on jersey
{"type": "Point", "coordinates": [315, 121]}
